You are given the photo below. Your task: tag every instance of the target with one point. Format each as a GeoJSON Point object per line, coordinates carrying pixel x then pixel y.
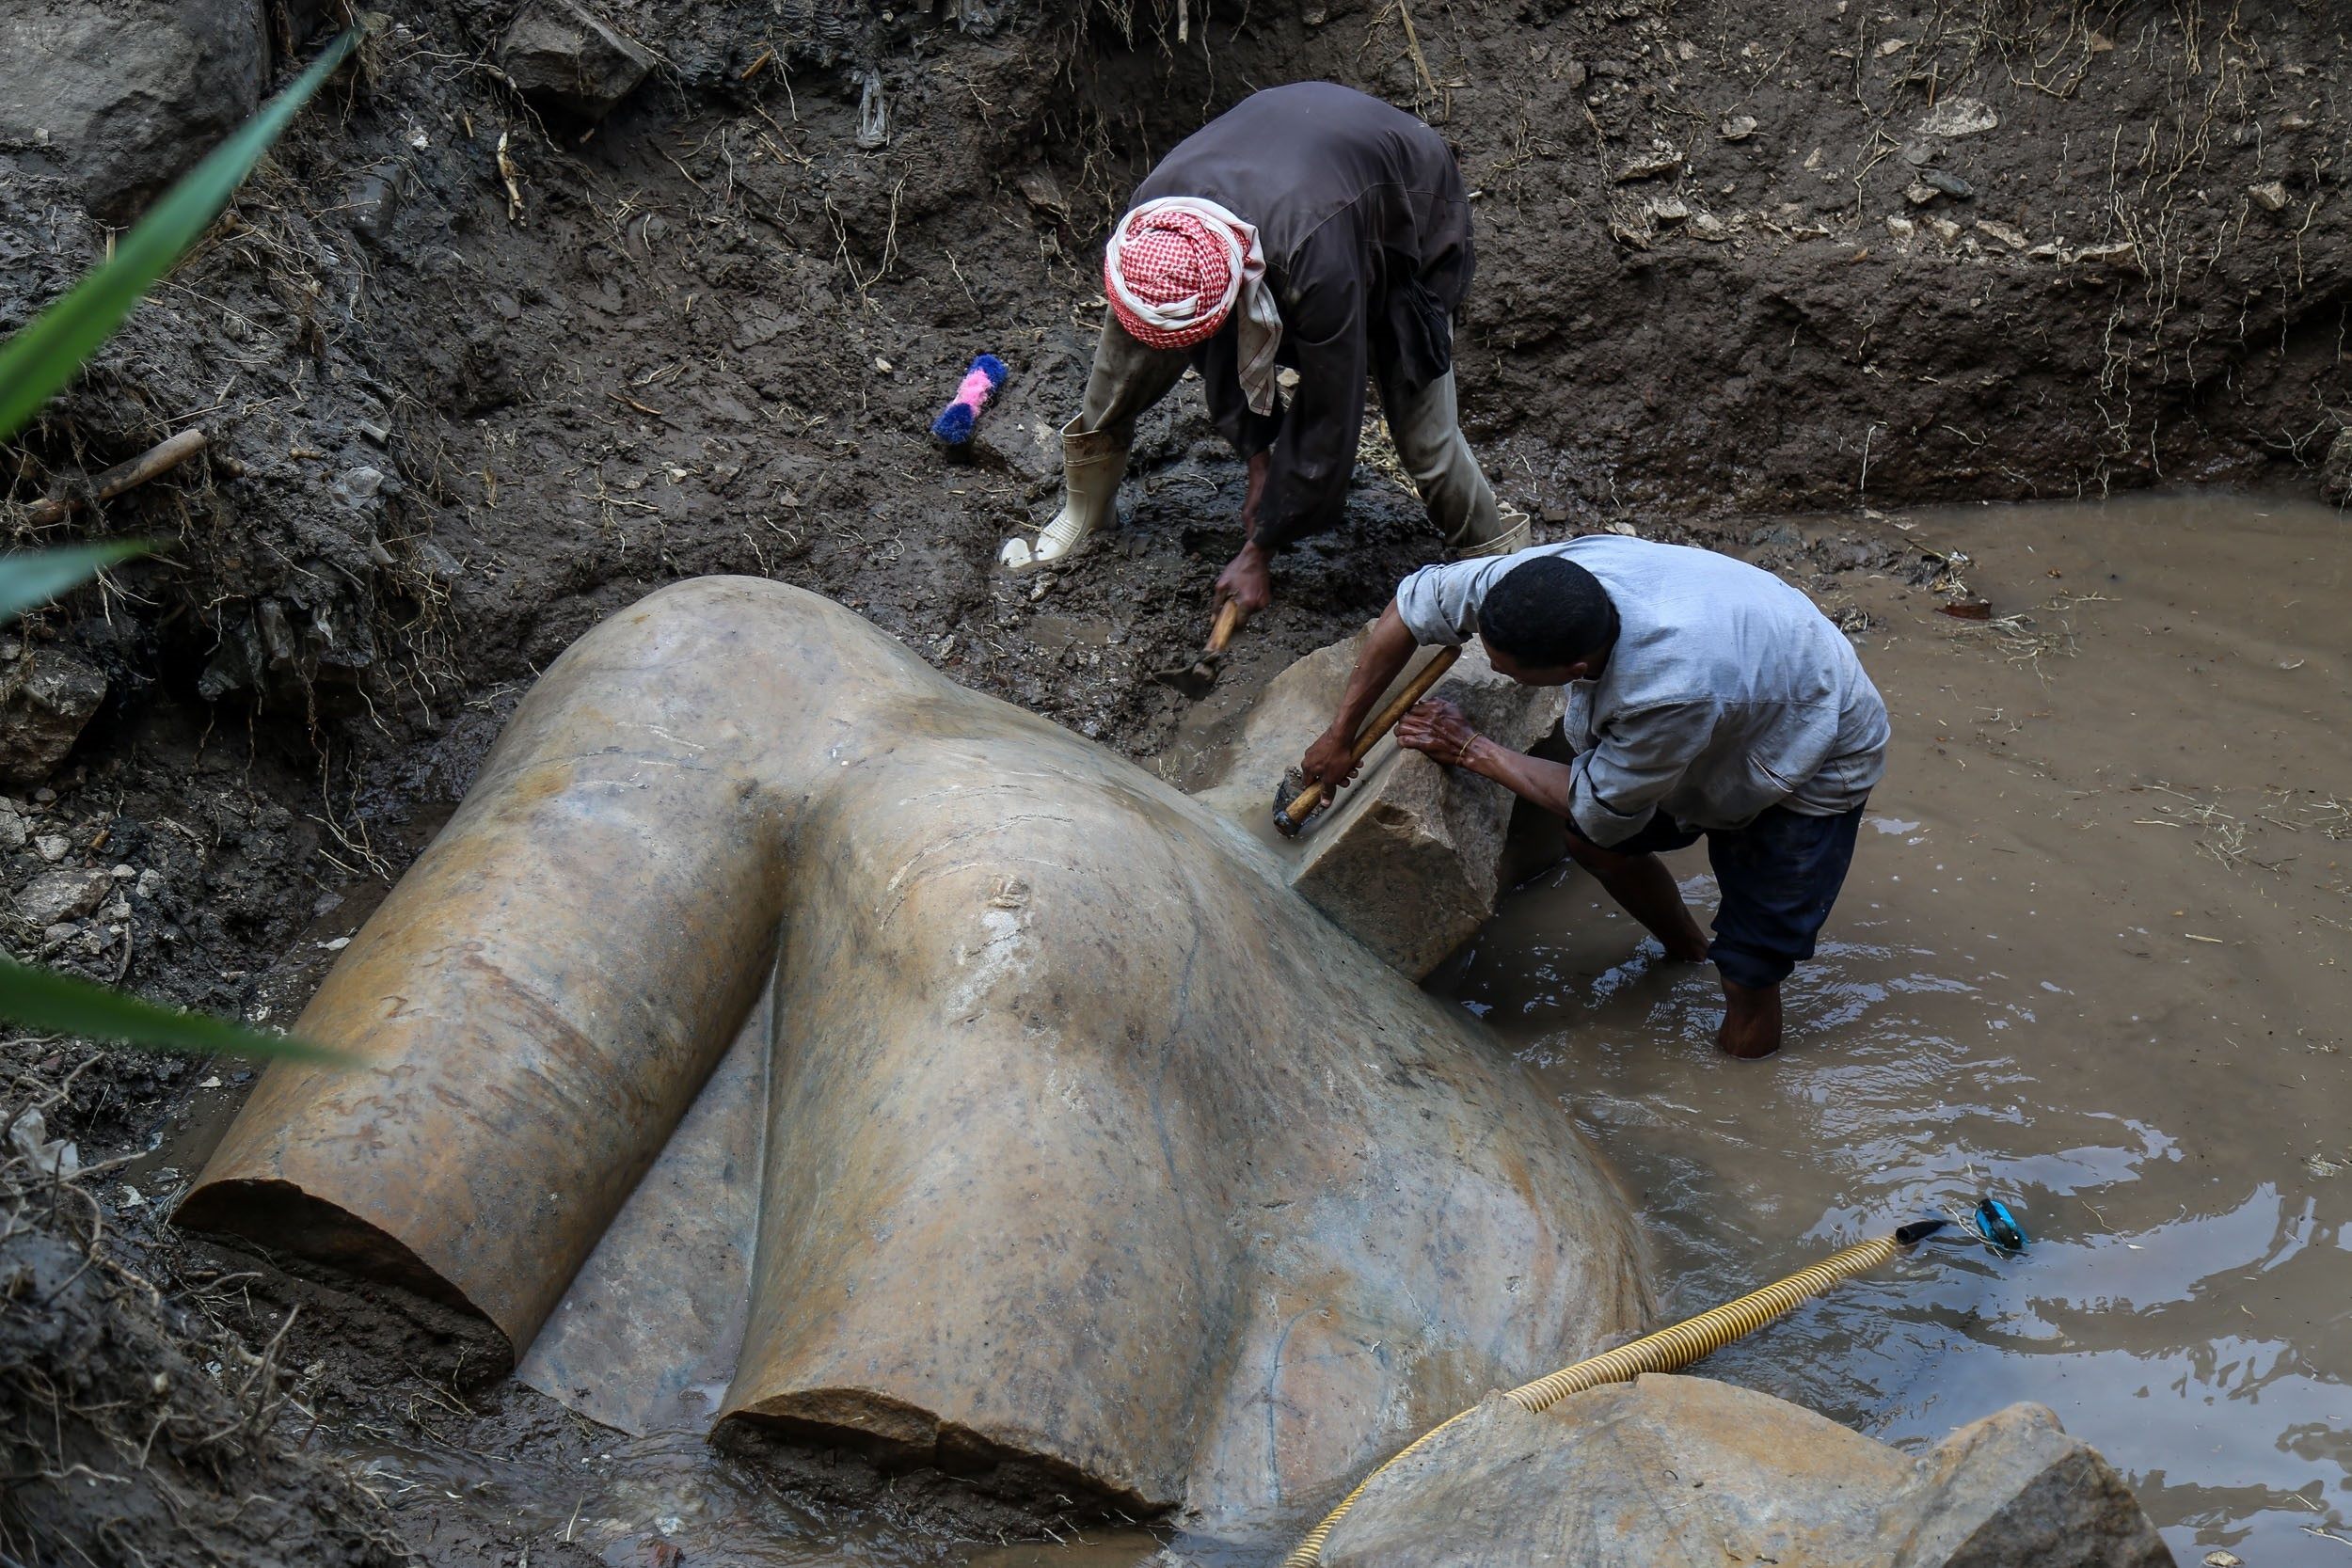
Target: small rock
{"type": "Point", "coordinates": [46, 697]}
{"type": "Point", "coordinates": [150, 883]}
{"type": "Point", "coordinates": [15, 830]}
{"type": "Point", "coordinates": [1669, 209]}
{"type": "Point", "coordinates": [1919, 193]}
{"type": "Point", "coordinates": [1918, 154]}
{"type": "Point", "coordinates": [51, 847]}
{"type": "Point", "coordinates": [1903, 228]}
{"type": "Point", "coordinates": [59, 934]}
{"type": "Point", "coordinates": [360, 485]}
{"type": "Point", "coordinates": [122, 873]}
{"type": "Point", "coordinates": [2124, 253]}
{"type": "Point", "coordinates": [65, 893]}
{"type": "Point", "coordinates": [439, 564]}
{"type": "Point", "coordinates": [1043, 192]}
{"type": "Point", "coordinates": [1661, 158]}
{"type": "Point", "coordinates": [1959, 117]}
{"type": "Point", "coordinates": [560, 53]}
{"type": "Point", "coordinates": [1707, 226]}
{"type": "Point", "coordinates": [29, 1132]}
{"type": "Point", "coordinates": [2295, 122]}
{"type": "Point", "coordinates": [370, 205]}
{"type": "Point", "coordinates": [121, 96]}
{"type": "Point", "coordinates": [2270, 196]}
{"type": "Point", "coordinates": [2003, 232]}
{"type": "Point", "coordinates": [1944, 230]}
{"type": "Point", "coordinates": [2335, 470]}
{"type": "Point", "coordinates": [2224, 1559]}
{"type": "Point", "coordinates": [1737, 128]}
{"type": "Point", "coordinates": [1949, 183]}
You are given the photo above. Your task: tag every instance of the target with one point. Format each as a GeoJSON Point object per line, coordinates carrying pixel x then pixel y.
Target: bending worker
{"type": "Point", "coordinates": [1310, 227]}
{"type": "Point", "coordinates": [1707, 699]}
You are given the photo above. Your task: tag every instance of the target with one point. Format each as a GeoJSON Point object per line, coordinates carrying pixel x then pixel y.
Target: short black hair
{"type": "Point", "coordinates": [1548, 613]}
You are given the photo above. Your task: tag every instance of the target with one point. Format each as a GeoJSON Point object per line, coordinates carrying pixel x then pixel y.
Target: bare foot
{"type": "Point", "coordinates": [1751, 1022]}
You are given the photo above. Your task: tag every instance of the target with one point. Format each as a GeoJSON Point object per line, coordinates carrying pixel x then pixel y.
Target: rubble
{"type": "Point", "coordinates": [47, 695]}
{"type": "Point", "coordinates": [561, 53]}
{"type": "Point", "coordinates": [121, 96]}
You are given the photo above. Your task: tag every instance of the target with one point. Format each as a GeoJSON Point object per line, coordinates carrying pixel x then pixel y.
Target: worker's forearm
{"type": "Point", "coordinates": [1548, 785]}
{"type": "Point", "coordinates": [1387, 649]}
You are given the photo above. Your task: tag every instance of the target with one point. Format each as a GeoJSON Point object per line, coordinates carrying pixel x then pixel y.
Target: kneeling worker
{"type": "Point", "coordinates": [1313, 226]}
{"type": "Point", "coordinates": [1707, 699]}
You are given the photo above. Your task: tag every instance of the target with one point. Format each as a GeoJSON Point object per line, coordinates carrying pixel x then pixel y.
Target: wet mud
{"type": "Point", "coordinates": [2095, 958]}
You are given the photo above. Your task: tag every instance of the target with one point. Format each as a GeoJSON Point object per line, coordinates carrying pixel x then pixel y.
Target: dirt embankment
{"type": "Point", "coordinates": [478, 372]}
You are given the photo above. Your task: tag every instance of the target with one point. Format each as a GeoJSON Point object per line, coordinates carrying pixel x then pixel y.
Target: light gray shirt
{"type": "Point", "coordinates": [1727, 692]}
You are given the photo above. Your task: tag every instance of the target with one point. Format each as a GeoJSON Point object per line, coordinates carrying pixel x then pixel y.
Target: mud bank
{"type": "Point", "coordinates": [2093, 958]}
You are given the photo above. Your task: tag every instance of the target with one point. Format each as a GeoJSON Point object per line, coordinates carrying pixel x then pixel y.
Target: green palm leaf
{"type": "Point", "coordinates": [60, 1005]}
{"type": "Point", "coordinates": [40, 359]}
{"type": "Point", "coordinates": [30, 577]}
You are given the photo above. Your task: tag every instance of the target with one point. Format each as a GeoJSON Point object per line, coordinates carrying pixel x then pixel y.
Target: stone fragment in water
{"type": "Point", "coordinates": [1406, 858]}
{"type": "Point", "coordinates": [1751, 1479]}
{"type": "Point", "coordinates": [568, 57]}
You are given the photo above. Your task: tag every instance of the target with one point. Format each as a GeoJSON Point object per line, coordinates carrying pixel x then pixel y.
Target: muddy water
{"type": "Point", "coordinates": [2096, 958]}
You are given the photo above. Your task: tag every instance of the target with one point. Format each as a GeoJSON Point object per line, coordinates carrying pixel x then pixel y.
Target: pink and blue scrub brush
{"type": "Point", "coordinates": [955, 421]}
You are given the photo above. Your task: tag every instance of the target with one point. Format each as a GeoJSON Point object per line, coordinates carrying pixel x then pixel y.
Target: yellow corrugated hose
{"type": "Point", "coordinates": [1665, 1351]}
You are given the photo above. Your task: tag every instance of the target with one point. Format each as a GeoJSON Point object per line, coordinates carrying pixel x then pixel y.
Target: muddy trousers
{"type": "Point", "coordinates": [1128, 379]}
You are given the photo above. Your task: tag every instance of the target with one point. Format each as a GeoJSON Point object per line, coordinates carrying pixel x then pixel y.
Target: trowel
{"type": "Point", "coordinates": [1297, 803]}
{"type": "Point", "coordinates": [1196, 679]}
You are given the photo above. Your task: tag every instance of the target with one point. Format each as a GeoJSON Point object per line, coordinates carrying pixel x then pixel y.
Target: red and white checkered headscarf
{"type": "Point", "coordinates": [1174, 270]}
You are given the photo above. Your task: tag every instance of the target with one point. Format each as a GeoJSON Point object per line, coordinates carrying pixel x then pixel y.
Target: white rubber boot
{"type": "Point", "coordinates": [1093, 463]}
{"type": "Point", "coordinates": [1509, 532]}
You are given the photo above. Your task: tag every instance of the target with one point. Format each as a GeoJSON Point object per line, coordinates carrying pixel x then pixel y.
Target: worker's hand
{"type": "Point", "coordinates": [1438, 727]}
{"type": "Point", "coordinates": [1331, 761]}
{"type": "Point", "coordinates": [1247, 580]}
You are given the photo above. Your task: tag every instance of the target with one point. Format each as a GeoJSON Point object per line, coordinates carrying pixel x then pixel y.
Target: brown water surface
{"type": "Point", "coordinates": [2092, 958]}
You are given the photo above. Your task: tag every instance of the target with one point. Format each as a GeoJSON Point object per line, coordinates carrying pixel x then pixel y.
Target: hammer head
{"type": "Point", "coordinates": [1294, 783]}
{"type": "Point", "coordinates": [1193, 680]}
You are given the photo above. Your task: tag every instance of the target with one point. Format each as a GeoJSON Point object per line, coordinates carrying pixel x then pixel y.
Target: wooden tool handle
{"type": "Point", "coordinates": [1415, 689]}
{"type": "Point", "coordinates": [1229, 620]}
{"type": "Point", "coordinates": [1303, 806]}
{"type": "Point", "coordinates": [149, 464]}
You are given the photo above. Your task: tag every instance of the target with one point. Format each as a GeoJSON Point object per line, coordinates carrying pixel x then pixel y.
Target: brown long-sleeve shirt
{"type": "Point", "coordinates": [1366, 229]}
